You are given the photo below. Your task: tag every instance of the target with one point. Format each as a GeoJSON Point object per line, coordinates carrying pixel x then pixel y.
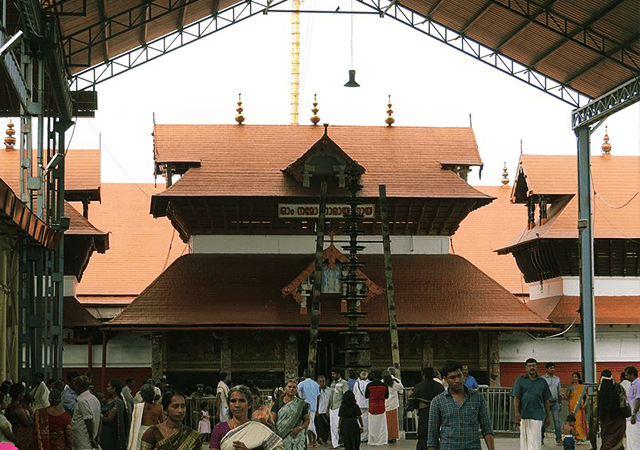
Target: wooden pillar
{"type": "Point", "coordinates": [483, 350]}
{"type": "Point", "coordinates": [317, 283]}
{"type": "Point", "coordinates": [291, 357]}
{"type": "Point", "coordinates": [494, 359]}
{"type": "Point", "coordinates": [225, 354]}
{"type": "Point", "coordinates": [427, 350]}
{"type": "Point", "coordinates": [157, 356]}
{"type": "Point", "coordinates": [388, 271]}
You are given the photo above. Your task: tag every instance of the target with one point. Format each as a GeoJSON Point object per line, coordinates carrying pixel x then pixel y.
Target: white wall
{"type": "Point", "coordinates": [603, 286]}
{"type": "Point", "coordinates": [400, 245]}
{"type": "Point", "coordinates": [126, 349]}
{"type": "Point", "coordinates": [616, 343]}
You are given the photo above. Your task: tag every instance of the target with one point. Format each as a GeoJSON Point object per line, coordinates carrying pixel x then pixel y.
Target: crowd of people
{"type": "Point", "coordinates": [614, 414]}
{"type": "Point", "coordinates": [365, 407]}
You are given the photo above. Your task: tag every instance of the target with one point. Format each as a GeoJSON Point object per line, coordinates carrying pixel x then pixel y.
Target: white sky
{"type": "Point", "coordinates": [430, 85]}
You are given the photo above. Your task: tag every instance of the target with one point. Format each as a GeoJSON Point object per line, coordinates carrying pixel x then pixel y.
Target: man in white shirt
{"type": "Point", "coordinates": [339, 386]}
{"type": "Point", "coordinates": [86, 421]}
{"type": "Point", "coordinates": [322, 416]}
{"type": "Point", "coordinates": [40, 391]}
{"type": "Point", "coordinates": [222, 398]}
{"type": "Point", "coordinates": [358, 390]}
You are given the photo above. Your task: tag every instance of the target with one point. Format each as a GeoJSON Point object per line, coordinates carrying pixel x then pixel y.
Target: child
{"type": "Point", "coordinates": [204, 425]}
{"type": "Point", "coordinates": [350, 418]}
{"type": "Point", "coordinates": [569, 431]}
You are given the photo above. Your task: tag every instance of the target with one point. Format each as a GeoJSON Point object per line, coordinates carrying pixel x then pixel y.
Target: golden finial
{"type": "Point", "coordinates": [239, 116]}
{"type": "Point", "coordinates": [10, 141]}
{"type": "Point", "coordinates": [315, 119]}
{"type": "Point", "coordinates": [505, 174]}
{"type": "Point", "coordinates": [389, 120]}
{"type": "Point", "coordinates": [606, 147]}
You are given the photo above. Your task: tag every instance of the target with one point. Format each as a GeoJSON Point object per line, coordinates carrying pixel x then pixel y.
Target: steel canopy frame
{"type": "Point", "coordinates": [582, 119]}
{"type": "Point", "coordinates": [88, 79]}
{"type": "Point", "coordinates": [477, 50]}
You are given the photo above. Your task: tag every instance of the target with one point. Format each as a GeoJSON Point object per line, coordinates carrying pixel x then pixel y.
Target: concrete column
{"type": "Point", "coordinates": [225, 354]}
{"type": "Point", "coordinates": [291, 357]}
{"type": "Point", "coordinates": [157, 356]}
{"type": "Point", "coordinates": [494, 359]}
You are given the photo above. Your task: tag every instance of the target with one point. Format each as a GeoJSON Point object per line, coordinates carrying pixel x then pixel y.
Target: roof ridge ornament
{"type": "Point", "coordinates": [389, 120]}
{"type": "Point", "coordinates": [315, 118]}
{"type": "Point", "coordinates": [606, 147]}
{"type": "Point", "coordinates": [239, 117]}
{"type": "Point", "coordinates": [505, 175]}
{"type": "Point", "coordinates": [10, 141]}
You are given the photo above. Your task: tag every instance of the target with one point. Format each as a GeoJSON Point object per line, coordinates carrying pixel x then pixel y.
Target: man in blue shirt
{"type": "Point", "coordinates": [456, 415]}
{"type": "Point", "coordinates": [554, 386]}
{"type": "Point", "coordinates": [308, 390]}
{"type": "Point", "coordinates": [531, 396]}
{"type": "Point", "coordinates": [469, 381]}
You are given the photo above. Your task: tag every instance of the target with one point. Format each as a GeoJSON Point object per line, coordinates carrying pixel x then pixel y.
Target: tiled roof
{"type": "Point", "coordinates": [139, 245]}
{"type": "Point", "coordinates": [244, 290]}
{"type": "Point", "coordinates": [248, 160]}
{"type": "Point", "coordinates": [616, 196]}
{"type": "Point", "coordinates": [79, 226]}
{"type": "Point", "coordinates": [614, 310]}
{"type": "Point", "coordinates": [17, 216]}
{"type": "Point", "coordinates": [75, 315]}
{"type": "Point", "coordinates": [489, 228]}
{"type": "Point", "coordinates": [82, 171]}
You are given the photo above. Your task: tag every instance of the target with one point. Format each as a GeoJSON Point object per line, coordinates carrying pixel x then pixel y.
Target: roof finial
{"type": "Point", "coordinates": [505, 174]}
{"type": "Point", "coordinates": [389, 120]}
{"type": "Point", "coordinates": [239, 116]}
{"type": "Point", "coordinates": [10, 141]}
{"type": "Point", "coordinates": [315, 119]}
{"type": "Point", "coordinates": [606, 147]}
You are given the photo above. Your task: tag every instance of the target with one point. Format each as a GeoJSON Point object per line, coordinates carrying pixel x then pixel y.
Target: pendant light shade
{"type": "Point", "coordinates": [352, 79]}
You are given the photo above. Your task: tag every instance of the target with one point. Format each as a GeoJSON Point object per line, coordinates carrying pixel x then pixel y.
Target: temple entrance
{"type": "Point", "coordinates": [329, 355]}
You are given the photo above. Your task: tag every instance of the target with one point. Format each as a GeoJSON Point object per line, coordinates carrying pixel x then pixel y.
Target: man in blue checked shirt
{"type": "Point", "coordinates": [457, 415]}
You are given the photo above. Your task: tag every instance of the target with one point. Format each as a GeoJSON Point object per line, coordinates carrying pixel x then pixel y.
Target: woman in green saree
{"type": "Point", "coordinates": [291, 415]}
{"type": "Point", "coordinates": [172, 434]}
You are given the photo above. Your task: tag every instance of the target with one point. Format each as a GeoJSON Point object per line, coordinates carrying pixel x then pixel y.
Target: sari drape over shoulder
{"type": "Point", "coordinates": [50, 430]}
{"type": "Point", "coordinates": [290, 415]}
{"type": "Point", "coordinates": [581, 420]}
{"type": "Point", "coordinates": [254, 435]}
{"type": "Point", "coordinates": [184, 438]}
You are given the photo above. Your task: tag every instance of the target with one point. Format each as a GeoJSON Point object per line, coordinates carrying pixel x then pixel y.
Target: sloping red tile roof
{"type": "Point", "coordinates": [139, 245]}
{"type": "Point", "coordinates": [613, 310]}
{"type": "Point", "coordinates": [244, 290]}
{"type": "Point", "coordinates": [489, 228]}
{"type": "Point", "coordinates": [79, 226]}
{"type": "Point", "coordinates": [19, 217]}
{"type": "Point", "coordinates": [248, 160]}
{"type": "Point", "coordinates": [616, 196]}
{"type": "Point", "coordinates": [82, 170]}
{"type": "Point", "coordinates": [75, 315]}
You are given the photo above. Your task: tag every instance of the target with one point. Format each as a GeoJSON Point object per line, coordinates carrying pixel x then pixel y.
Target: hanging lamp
{"type": "Point", "coordinates": [352, 72]}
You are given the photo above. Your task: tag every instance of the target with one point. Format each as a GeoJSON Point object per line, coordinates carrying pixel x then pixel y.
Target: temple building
{"type": "Point", "coordinates": [246, 203]}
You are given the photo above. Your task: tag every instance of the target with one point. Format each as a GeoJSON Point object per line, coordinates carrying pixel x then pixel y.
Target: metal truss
{"type": "Point", "coordinates": [611, 102]}
{"type": "Point", "coordinates": [88, 79]}
{"type": "Point", "coordinates": [580, 34]}
{"type": "Point", "coordinates": [478, 51]}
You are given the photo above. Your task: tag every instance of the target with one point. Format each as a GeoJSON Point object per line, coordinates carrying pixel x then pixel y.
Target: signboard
{"type": "Point", "coordinates": [307, 211]}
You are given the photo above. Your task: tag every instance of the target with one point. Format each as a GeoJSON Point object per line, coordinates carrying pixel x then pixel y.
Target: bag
{"type": "Point", "coordinates": [625, 407]}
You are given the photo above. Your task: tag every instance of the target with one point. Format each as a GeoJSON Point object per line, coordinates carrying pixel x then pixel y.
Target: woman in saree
{"type": "Point", "coordinates": [240, 432]}
{"type": "Point", "coordinates": [172, 434]}
{"type": "Point", "coordinates": [20, 417]}
{"type": "Point", "coordinates": [291, 416]}
{"type": "Point", "coordinates": [114, 418]}
{"type": "Point", "coordinates": [53, 425]}
{"type": "Point", "coordinates": [261, 412]}
{"type": "Point", "coordinates": [144, 416]}
{"type": "Point", "coordinates": [612, 422]}
{"type": "Point", "coordinates": [574, 393]}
